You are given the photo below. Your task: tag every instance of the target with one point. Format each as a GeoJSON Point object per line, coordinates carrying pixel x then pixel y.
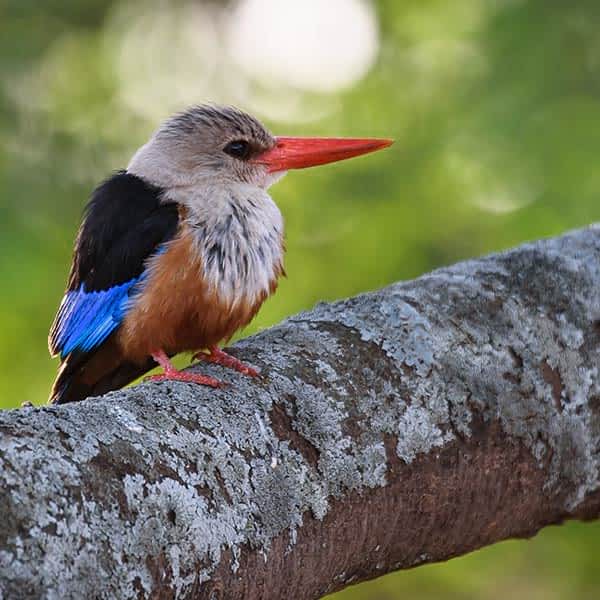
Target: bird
{"type": "Point", "coordinates": [179, 250]}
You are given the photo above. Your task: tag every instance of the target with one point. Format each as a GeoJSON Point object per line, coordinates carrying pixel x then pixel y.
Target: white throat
{"type": "Point", "coordinates": [239, 232]}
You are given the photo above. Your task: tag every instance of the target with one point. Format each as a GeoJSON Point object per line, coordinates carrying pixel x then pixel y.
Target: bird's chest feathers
{"type": "Point", "coordinates": [240, 246]}
{"type": "Point", "coordinates": [209, 281]}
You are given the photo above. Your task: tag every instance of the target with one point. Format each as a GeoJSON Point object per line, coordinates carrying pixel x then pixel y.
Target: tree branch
{"type": "Point", "coordinates": [396, 428]}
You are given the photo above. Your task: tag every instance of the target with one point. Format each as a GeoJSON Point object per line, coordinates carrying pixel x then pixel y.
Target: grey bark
{"type": "Point", "coordinates": [391, 429]}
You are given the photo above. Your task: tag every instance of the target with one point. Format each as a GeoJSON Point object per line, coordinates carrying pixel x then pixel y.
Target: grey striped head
{"type": "Point", "coordinates": [205, 143]}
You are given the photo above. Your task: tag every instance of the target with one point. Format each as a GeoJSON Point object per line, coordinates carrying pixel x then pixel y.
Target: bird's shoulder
{"type": "Point", "coordinates": [124, 222]}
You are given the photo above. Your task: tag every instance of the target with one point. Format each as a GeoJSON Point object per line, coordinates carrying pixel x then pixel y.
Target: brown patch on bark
{"type": "Point", "coordinates": [516, 357]}
{"type": "Point", "coordinates": [468, 494]}
{"type": "Point", "coordinates": [394, 462]}
{"type": "Point", "coordinates": [516, 379]}
{"type": "Point", "coordinates": [106, 474]}
{"type": "Point", "coordinates": [594, 403]}
{"type": "Point", "coordinates": [281, 424]}
{"type": "Point", "coordinates": [495, 305]}
{"type": "Point", "coordinates": [588, 510]}
{"type": "Point", "coordinates": [552, 377]}
{"type": "Point", "coordinates": [162, 576]}
{"type": "Point", "coordinates": [206, 493]}
{"type": "Point", "coordinates": [351, 427]}
{"type": "Point", "coordinates": [222, 486]}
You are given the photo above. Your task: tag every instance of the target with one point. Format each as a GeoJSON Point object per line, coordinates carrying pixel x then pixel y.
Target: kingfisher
{"type": "Point", "coordinates": [179, 250]}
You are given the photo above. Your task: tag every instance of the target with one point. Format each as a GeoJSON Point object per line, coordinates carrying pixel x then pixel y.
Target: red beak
{"type": "Point", "coordinates": [301, 152]}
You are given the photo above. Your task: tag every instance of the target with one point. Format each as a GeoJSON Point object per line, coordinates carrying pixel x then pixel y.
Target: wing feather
{"type": "Point", "coordinates": [125, 223]}
{"type": "Point", "coordinates": [86, 319]}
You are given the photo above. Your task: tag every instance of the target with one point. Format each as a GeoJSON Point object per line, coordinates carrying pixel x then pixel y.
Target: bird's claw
{"type": "Point", "coordinates": [218, 357]}
{"type": "Point", "coordinates": [186, 377]}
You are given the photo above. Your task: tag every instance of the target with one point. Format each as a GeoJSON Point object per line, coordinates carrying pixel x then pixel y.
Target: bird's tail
{"type": "Point", "coordinates": [83, 375]}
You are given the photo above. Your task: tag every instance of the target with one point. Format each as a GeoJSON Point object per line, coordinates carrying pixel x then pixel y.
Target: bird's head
{"type": "Point", "coordinates": [212, 145]}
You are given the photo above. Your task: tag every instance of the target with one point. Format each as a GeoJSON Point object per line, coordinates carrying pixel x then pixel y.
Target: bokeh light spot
{"type": "Point", "coordinates": [311, 45]}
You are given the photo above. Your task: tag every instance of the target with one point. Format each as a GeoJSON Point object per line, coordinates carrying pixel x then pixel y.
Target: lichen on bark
{"type": "Point", "coordinates": [378, 421]}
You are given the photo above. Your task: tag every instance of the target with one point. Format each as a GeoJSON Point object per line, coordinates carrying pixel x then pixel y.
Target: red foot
{"type": "Point", "coordinates": [173, 374]}
{"type": "Point", "coordinates": [219, 357]}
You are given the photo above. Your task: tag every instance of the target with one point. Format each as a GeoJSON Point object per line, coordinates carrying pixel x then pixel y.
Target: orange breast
{"type": "Point", "coordinates": [177, 311]}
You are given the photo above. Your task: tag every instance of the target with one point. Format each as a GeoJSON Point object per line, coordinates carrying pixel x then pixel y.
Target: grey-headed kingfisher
{"type": "Point", "coordinates": [179, 251]}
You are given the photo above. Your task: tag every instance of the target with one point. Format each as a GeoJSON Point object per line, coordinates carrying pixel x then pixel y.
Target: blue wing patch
{"type": "Point", "coordinates": [85, 319]}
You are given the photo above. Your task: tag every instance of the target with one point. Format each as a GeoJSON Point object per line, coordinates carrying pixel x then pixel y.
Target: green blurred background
{"type": "Point", "coordinates": [494, 105]}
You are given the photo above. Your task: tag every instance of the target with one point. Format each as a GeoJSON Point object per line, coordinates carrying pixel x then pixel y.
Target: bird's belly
{"type": "Point", "coordinates": [177, 310]}
{"type": "Point", "coordinates": [178, 325]}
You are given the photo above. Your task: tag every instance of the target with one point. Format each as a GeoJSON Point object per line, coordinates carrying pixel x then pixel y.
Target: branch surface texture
{"type": "Point", "coordinates": [392, 429]}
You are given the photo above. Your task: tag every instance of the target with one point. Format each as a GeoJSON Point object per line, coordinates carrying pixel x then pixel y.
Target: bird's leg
{"type": "Point", "coordinates": [173, 374]}
{"type": "Point", "coordinates": [217, 356]}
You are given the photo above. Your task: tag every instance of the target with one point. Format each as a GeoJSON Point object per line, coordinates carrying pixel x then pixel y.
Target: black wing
{"type": "Point", "coordinates": [124, 224]}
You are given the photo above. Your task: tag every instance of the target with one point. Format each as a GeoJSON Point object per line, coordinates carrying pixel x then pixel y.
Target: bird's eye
{"type": "Point", "coordinates": [238, 149]}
